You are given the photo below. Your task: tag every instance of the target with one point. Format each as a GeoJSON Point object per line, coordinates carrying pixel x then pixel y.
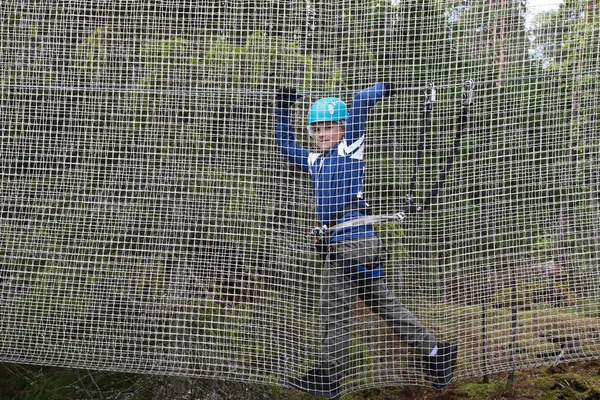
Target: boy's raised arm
{"type": "Point", "coordinates": [284, 129]}
{"type": "Point", "coordinates": [361, 103]}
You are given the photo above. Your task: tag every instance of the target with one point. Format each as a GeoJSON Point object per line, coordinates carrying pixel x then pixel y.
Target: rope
{"type": "Point", "coordinates": [215, 91]}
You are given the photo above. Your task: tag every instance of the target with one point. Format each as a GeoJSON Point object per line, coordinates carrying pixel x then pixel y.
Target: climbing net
{"type": "Point", "coordinates": [150, 224]}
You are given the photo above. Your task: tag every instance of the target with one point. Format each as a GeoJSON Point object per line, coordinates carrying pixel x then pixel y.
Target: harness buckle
{"type": "Point", "coordinates": [321, 240]}
{"type": "Point", "coordinates": [430, 96]}
{"type": "Point", "coordinates": [400, 216]}
{"type": "Point", "coordinates": [467, 92]}
{"type": "Point", "coordinates": [319, 232]}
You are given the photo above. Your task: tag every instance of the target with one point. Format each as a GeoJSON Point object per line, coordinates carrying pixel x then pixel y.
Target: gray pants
{"type": "Point", "coordinates": [339, 291]}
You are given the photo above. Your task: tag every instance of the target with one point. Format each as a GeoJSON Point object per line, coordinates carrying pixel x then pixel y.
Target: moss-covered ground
{"type": "Point", "coordinates": [577, 381]}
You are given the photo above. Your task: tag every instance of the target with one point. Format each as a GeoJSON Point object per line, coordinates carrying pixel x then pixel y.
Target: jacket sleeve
{"type": "Point", "coordinates": [357, 117]}
{"type": "Point", "coordinates": [287, 142]}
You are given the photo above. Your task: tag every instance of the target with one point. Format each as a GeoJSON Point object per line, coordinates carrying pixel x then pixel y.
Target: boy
{"type": "Point", "coordinates": [352, 255]}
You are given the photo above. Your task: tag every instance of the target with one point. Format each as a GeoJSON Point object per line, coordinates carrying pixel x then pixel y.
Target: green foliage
{"type": "Point", "coordinates": [92, 51]}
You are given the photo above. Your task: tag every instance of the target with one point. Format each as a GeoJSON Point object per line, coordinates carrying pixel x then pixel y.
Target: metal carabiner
{"type": "Point", "coordinates": [430, 96]}
{"type": "Point", "coordinates": [467, 92]}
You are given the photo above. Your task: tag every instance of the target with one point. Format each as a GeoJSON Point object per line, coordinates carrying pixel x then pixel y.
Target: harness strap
{"type": "Point", "coordinates": [461, 122]}
{"type": "Point", "coordinates": [355, 204]}
{"type": "Point", "coordinates": [430, 97]}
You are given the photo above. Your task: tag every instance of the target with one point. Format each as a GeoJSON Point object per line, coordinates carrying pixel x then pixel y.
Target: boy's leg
{"type": "Point", "coordinates": [337, 295]}
{"type": "Point", "coordinates": [379, 298]}
{"type": "Point", "coordinates": [336, 311]}
{"type": "Point", "coordinates": [338, 290]}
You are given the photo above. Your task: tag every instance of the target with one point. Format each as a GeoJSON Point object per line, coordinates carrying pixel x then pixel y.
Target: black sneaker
{"type": "Point", "coordinates": [317, 382]}
{"type": "Point", "coordinates": [441, 366]}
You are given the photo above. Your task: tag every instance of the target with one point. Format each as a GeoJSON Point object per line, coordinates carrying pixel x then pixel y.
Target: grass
{"type": "Point", "coordinates": [574, 381]}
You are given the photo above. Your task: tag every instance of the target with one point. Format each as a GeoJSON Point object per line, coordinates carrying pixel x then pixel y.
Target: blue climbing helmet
{"type": "Point", "coordinates": [328, 109]}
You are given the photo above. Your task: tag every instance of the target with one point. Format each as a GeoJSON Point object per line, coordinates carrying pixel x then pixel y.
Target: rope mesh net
{"type": "Point", "coordinates": [150, 224]}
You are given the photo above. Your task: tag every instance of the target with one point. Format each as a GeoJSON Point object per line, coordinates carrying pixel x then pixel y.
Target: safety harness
{"type": "Point", "coordinates": [323, 232]}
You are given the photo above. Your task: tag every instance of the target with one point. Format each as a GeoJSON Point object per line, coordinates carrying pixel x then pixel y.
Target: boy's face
{"type": "Point", "coordinates": [327, 134]}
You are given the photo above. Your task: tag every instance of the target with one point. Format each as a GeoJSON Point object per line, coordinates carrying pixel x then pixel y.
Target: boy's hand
{"type": "Point", "coordinates": [286, 97]}
{"type": "Point", "coordinates": [390, 89]}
